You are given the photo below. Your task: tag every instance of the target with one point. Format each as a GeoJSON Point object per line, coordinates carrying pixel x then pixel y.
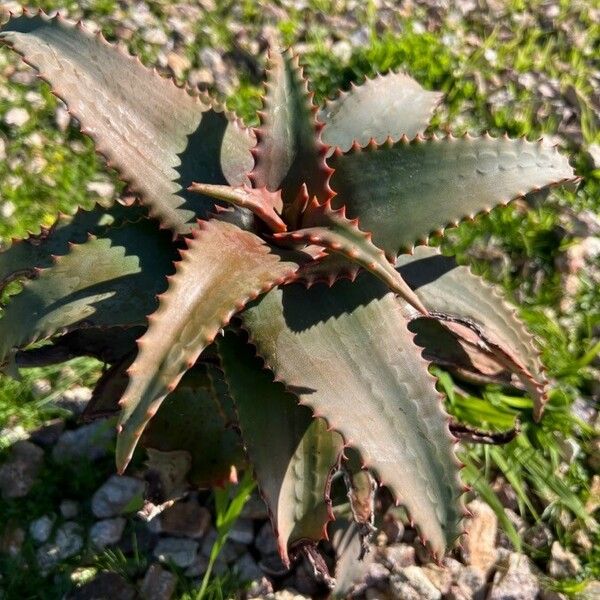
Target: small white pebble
{"type": "Point", "coordinates": [16, 117]}
{"type": "Point", "coordinates": [104, 189]}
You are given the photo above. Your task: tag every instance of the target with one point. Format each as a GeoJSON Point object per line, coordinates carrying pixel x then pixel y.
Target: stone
{"type": "Point", "coordinates": [104, 189]}
{"type": "Point", "coordinates": [259, 588]}
{"type": "Point", "coordinates": [479, 543]}
{"type": "Point", "coordinates": [16, 117]}
{"type": "Point", "coordinates": [562, 563]}
{"type": "Point", "coordinates": [470, 582]}
{"type": "Point", "coordinates": [20, 471]}
{"type": "Point", "coordinates": [41, 528]}
{"type": "Point", "coordinates": [11, 435]}
{"type": "Point", "coordinates": [399, 556]}
{"type": "Point", "coordinates": [75, 399]}
{"type": "Point", "coordinates": [67, 542]}
{"type": "Point", "coordinates": [242, 532]}
{"type": "Point", "coordinates": [178, 64]}
{"type": "Point", "coordinates": [155, 36]}
{"type": "Point", "coordinates": [107, 532]}
{"type": "Point", "coordinates": [199, 566]}
{"type": "Point", "coordinates": [591, 591]}
{"type": "Point", "coordinates": [69, 509]}
{"type": "Point", "coordinates": [265, 541]}
{"type": "Point", "coordinates": [410, 583]}
{"type": "Point", "coordinates": [89, 442]}
{"type": "Point", "coordinates": [185, 518]}
{"type": "Point", "coordinates": [247, 568]}
{"type": "Point", "coordinates": [106, 585]}
{"type": "Point", "coordinates": [169, 470]}
{"type": "Point", "coordinates": [255, 509]}
{"type": "Point", "coordinates": [439, 576]}
{"type": "Point", "coordinates": [538, 536]}
{"type": "Point", "coordinates": [62, 118]}
{"type": "Point", "coordinates": [289, 595]}
{"type": "Point", "coordinates": [180, 551]}
{"type": "Point", "coordinates": [158, 584]}
{"type": "Point", "coordinates": [119, 495]}
{"type": "Point", "coordinates": [48, 434]}
{"type": "Point", "coordinates": [593, 502]}
{"type": "Point", "coordinates": [376, 575]}
{"type": "Point", "coordinates": [68, 539]}
{"type": "Point", "coordinates": [514, 580]}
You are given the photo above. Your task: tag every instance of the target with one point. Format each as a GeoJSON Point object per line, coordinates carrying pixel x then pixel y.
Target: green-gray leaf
{"type": "Point", "coordinates": [294, 468]}
{"type": "Point", "coordinates": [156, 134]}
{"type": "Point", "coordinates": [347, 353]}
{"type": "Point", "coordinates": [390, 105]}
{"type": "Point", "coordinates": [103, 282]}
{"type": "Point", "coordinates": [403, 192]}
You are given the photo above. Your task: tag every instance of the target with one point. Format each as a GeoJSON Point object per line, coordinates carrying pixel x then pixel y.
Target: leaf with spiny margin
{"type": "Point", "coordinates": [295, 467]}
{"type": "Point", "coordinates": [222, 269]}
{"type": "Point", "coordinates": [390, 105]}
{"type": "Point", "coordinates": [451, 351]}
{"type": "Point", "coordinates": [328, 269]}
{"type": "Point", "coordinates": [260, 201]}
{"type": "Point", "coordinates": [323, 226]}
{"type": "Point", "coordinates": [444, 287]}
{"type": "Point", "coordinates": [288, 152]}
{"type": "Point", "coordinates": [157, 135]}
{"type": "Point", "coordinates": [191, 419]}
{"type": "Point", "coordinates": [107, 344]}
{"type": "Point", "coordinates": [107, 281]}
{"type": "Point", "coordinates": [24, 256]}
{"type": "Point", "coordinates": [346, 352]}
{"type": "Point", "coordinates": [403, 192]}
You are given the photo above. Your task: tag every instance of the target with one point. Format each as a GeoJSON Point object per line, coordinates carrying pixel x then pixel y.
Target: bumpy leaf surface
{"type": "Point", "coordinates": [221, 270]}
{"type": "Point", "coordinates": [294, 468]}
{"type": "Point", "coordinates": [346, 352]}
{"type": "Point", "coordinates": [390, 105]}
{"type": "Point", "coordinates": [103, 282]}
{"type": "Point", "coordinates": [157, 135]}
{"type": "Point", "coordinates": [403, 192]}
{"type": "Point", "coordinates": [192, 419]}
{"type": "Point", "coordinates": [445, 287]}
{"type": "Point", "coordinates": [36, 251]}
{"type": "Point", "coordinates": [329, 228]}
{"type": "Point", "coordinates": [288, 152]}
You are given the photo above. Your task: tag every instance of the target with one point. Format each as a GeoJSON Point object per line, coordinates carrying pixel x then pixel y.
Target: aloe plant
{"type": "Point", "coordinates": [267, 282]}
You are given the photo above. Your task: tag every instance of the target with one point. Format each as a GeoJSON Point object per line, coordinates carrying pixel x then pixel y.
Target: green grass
{"type": "Point", "coordinates": [443, 59]}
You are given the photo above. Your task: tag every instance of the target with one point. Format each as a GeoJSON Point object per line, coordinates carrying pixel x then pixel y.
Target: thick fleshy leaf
{"type": "Point", "coordinates": [348, 545]}
{"type": "Point", "coordinates": [157, 135]}
{"type": "Point", "coordinates": [24, 256]}
{"type": "Point", "coordinates": [347, 353]}
{"type": "Point", "coordinates": [403, 192]}
{"type": "Point", "coordinates": [103, 282]}
{"type": "Point", "coordinates": [264, 204]}
{"type": "Point", "coordinates": [108, 344]}
{"type": "Point", "coordinates": [323, 226]}
{"type": "Point", "coordinates": [388, 106]}
{"type": "Point", "coordinates": [294, 469]}
{"type": "Point", "coordinates": [453, 352]}
{"type": "Point", "coordinates": [192, 419]}
{"type": "Point", "coordinates": [288, 152]}
{"type": "Point", "coordinates": [222, 269]}
{"type": "Point", "coordinates": [452, 290]}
